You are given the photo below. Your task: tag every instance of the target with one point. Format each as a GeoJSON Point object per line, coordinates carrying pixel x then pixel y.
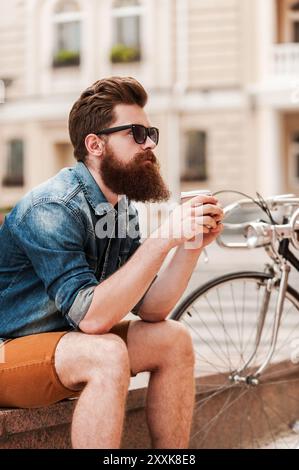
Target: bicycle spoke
{"type": "Point", "coordinates": [232, 342]}
{"type": "Point", "coordinates": [212, 335]}
{"type": "Point", "coordinates": [250, 425]}
{"type": "Point", "coordinates": [192, 328]}
{"type": "Point", "coordinates": [223, 409]}
{"type": "Point", "coordinates": [243, 312]}
{"type": "Point", "coordinates": [208, 425]}
{"type": "Point", "coordinates": [253, 331]}
{"type": "Point", "coordinates": [282, 419]}
{"type": "Point", "coordinates": [279, 382]}
{"type": "Point", "coordinates": [287, 340]}
{"type": "Point", "coordinates": [236, 318]}
{"type": "Point", "coordinates": [222, 323]}
{"type": "Point", "coordinates": [205, 400]}
{"type": "Point", "coordinates": [266, 416]}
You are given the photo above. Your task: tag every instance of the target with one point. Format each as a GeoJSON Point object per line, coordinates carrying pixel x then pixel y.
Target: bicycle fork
{"type": "Point", "coordinates": [238, 376]}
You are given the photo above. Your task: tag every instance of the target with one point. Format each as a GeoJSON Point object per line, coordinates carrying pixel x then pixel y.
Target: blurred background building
{"type": "Point", "coordinates": [222, 76]}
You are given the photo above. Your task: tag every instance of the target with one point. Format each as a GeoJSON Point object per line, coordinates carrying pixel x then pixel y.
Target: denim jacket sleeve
{"type": "Point", "coordinates": [52, 236]}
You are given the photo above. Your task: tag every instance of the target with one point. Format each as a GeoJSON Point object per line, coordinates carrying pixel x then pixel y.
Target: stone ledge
{"type": "Point", "coordinates": [16, 420]}
{"type": "Point", "coordinates": [49, 427]}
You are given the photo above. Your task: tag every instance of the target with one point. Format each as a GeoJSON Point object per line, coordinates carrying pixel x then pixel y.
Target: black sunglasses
{"type": "Point", "coordinates": [140, 133]}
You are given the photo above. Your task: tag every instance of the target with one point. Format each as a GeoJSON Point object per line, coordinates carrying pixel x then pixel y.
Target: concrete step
{"type": "Point", "coordinates": [49, 427]}
{"type": "Point", "coordinates": [222, 415]}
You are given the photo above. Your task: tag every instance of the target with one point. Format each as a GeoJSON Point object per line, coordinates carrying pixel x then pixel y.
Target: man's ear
{"type": "Point", "coordinates": [94, 145]}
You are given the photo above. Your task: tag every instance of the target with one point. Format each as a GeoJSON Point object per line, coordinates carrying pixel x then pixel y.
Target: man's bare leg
{"type": "Point", "coordinates": [165, 349]}
{"type": "Point", "coordinates": [100, 364]}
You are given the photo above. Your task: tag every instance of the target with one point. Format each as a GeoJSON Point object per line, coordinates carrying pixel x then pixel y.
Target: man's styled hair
{"type": "Point", "coordinates": [94, 110]}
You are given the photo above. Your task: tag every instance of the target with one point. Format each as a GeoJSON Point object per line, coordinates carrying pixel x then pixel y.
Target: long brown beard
{"type": "Point", "coordinates": [140, 179]}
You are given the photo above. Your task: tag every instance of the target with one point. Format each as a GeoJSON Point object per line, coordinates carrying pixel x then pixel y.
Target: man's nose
{"type": "Point", "coordinates": [148, 144]}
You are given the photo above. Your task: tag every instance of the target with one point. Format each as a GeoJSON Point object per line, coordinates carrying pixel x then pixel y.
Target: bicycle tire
{"type": "Point", "coordinates": [219, 314]}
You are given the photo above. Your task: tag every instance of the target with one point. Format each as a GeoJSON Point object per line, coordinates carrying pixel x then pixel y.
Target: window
{"type": "Point", "coordinates": [288, 21]}
{"type": "Point", "coordinates": [67, 34]}
{"type": "Point", "coordinates": [14, 175]}
{"type": "Point", "coordinates": [296, 31]}
{"type": "Point", "coordinates": [294, 167]}
{"type": "Point", "coordinates": [294, 21]}
{"type": "Point", "coordinates": [194, 165]}
{"type": "Point", "coordinates": [126, 45]}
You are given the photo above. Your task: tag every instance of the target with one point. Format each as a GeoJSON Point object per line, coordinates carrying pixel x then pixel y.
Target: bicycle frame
{"type": "Point", "coordinates": [283, 259]}
{"type": "Point", "coordinates": [254, 378]}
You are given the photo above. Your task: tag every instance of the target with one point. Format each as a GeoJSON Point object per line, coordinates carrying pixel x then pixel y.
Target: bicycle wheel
{"type": "Point", "coordinates": [222, 317]}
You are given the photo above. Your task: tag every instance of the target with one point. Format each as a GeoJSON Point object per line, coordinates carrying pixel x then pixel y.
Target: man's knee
{"type": "Point", "coordinates": [81, 358]}
{"type": "Point", "coordinates": [177, 341]}
{"type": "Point", "coordinates": [113, 361]}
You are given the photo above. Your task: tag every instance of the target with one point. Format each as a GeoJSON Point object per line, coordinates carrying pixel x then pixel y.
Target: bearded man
{"type": "Point", "coordinates": [72, 266]}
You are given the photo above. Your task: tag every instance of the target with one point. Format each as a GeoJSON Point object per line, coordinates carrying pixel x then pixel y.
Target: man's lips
{"type": "Point", "coordinates": [147, 158]}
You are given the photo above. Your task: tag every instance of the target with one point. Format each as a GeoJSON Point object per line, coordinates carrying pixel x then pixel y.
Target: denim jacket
{"type": "Point", "coordinates": [55, 248]}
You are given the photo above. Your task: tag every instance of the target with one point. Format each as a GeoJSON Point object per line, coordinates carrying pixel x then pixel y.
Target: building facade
{"type": "Point", "coordinates": [221, 77]}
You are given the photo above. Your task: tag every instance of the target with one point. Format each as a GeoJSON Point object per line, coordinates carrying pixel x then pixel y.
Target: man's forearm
{"type": "Point", "coordinates": [170, 285]}
{"type": "Point", "coordinates": [117, 295]}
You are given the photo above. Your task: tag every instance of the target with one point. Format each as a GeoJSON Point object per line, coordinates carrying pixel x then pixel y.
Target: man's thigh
{"type": "Point", "coordinates": [28, 375]}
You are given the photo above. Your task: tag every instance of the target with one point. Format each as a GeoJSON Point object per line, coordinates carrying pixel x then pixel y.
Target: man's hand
{"type": "Point", "coordinates": [198, 221]}
{"type": "Point", "coordinates": [201, 241]}
{"type": "Point", "coordinates": [202, 213]}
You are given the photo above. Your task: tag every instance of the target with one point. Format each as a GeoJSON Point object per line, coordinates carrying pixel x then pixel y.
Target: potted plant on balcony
{"type": "Point", "coordinates": [66, 58]}
{"type": "Point", "coordinates": [120, 53]}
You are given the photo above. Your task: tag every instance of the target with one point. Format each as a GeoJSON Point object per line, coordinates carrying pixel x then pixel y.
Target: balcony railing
{"type": "Point", "coordinates": [285, 61]}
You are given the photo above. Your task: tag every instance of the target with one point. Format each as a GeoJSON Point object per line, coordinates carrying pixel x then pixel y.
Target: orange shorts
{"type": "Point", "coordinates": [28, 378]}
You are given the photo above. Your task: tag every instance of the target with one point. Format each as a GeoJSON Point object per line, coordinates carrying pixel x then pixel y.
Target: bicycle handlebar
{"type": "Point", "coordinates": [259, 233]}
{"type": "Point", "coordinates": [273, 202]}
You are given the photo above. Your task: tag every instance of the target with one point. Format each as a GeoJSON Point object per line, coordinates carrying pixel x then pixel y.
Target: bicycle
{"type": "Point", "coordinates": [245, 329]}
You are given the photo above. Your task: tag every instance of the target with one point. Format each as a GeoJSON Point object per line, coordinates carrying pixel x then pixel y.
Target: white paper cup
{"type": "Point", "coordinates": [189, 194]}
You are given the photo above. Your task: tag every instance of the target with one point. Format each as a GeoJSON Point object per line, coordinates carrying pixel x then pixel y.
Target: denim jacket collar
{"type": "Point", "coordinates": [94, 194]}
